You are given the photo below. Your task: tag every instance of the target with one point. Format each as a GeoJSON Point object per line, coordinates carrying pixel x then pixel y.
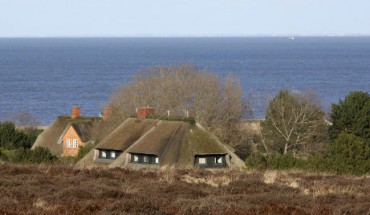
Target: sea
{"type": "Point", "coordinates": [45, 77]}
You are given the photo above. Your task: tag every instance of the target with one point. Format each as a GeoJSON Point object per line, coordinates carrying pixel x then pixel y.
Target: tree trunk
{"type": "Point", "coordinates": [285, 148]}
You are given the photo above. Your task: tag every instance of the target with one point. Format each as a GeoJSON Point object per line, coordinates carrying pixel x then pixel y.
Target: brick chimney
{"type": "Point", "coordinates": [106, 114]}
{"type": "Point", "coordinates": [76, 112]}
{"type": "Point", "coordinates": [144, 112]}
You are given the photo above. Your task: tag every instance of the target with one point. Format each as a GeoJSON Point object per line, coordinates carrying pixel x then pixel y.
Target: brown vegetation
{"type": "Point", "coordinates": [60, 189]}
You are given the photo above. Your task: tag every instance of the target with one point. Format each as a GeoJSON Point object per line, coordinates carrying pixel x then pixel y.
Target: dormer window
{"type": "Point", "coordinates": [109, 154]}
{"type": "Point", "coordinates": [210, 161]}
{"type": "Point", "coordinates": [144, 159]}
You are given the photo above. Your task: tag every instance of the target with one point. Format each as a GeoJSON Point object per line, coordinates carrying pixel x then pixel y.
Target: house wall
{"type": "Point", "coordinates": [72, 135]}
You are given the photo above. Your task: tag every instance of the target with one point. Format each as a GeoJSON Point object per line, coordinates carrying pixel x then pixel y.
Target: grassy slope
{"type": "Point", "coordinates": [59, 189]}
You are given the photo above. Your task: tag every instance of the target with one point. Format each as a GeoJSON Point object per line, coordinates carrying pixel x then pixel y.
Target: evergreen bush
{"type": "Point", "coordinates": [351, 115]}
{"type": "Point", "coordinates": [12, 138]}
{"type": "Point", "coordinates": [349, 154]}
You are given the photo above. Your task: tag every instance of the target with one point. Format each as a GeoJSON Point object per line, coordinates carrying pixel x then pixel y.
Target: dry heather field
{"type": "Point", "coordinates": [60, 189]}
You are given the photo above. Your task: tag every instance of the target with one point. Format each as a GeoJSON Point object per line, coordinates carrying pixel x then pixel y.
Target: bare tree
{"type": "Point", "coordinates": [184, 89]}
{"type": "Point", "coordinates": [292, 121]}
{"type": "Point", "coordinates": [24, 119]}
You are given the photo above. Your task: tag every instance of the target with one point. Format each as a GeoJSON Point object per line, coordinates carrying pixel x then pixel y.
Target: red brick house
{"type": "Point", "coordinates": [75, 135]}
{"type": "Point", "coordinates": [67, 133]}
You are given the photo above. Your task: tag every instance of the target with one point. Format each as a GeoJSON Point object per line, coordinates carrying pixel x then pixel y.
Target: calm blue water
{"type": "Point", "coordinates": [45, 77]}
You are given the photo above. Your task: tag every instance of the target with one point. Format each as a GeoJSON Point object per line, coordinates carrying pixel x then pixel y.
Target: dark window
{"type": "Point", "coordinates": [144, 159]}
{"type": "Point", "coordinates": [210, 161]}
{"type": "Point", "coordinates": [109, 154]}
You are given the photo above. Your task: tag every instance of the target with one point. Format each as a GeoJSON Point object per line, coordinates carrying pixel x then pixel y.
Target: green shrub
{"type": "Point", "coordinates": [5, 154]}
{"type": "Point", "coordinates": [42, 155]}
{"type": "Point", "coordinates": [351, 115]}
{"type": "Point", "coordinates": [3, 157]}
{"type": "Point", "coordinates": [20, 155]}
{"type": "Point", "coordinates": [37, 155]}
{"type": "Point", "coordinates": [349, 154]}
{"type": "Point", "coordinates": [67, 159]}
{"type": "Point", "coordinates": [31, 136]}
{"type": "Point", "coordinates": [7, 135]}
{"type": "Point", "coordinates": [274, 161]}
{"type": "Point", "coordinates": [85, 149]}
{"type": "Point", "coordinates": [284, 162]}
{"type": "Point", "coordinates": [11, 138]}
{"type": "Point", "coordinates": [257, 161]}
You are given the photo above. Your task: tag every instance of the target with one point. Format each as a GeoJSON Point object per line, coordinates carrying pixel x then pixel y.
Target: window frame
{"type": "Point", "coordinates": [103, 154]}
{"type": "Point", "coordinates": [69, 143]}
{"type": "Point", "coordinates": [203, 159]}
{"type": "Point", "coordinates": [145, 159]}
{"type": "Point", "coordinates": [75, 143]}
{"type": "Point", "coordinates": [113, 154]}
{"type": "Point", "coordinates": [217, 158]}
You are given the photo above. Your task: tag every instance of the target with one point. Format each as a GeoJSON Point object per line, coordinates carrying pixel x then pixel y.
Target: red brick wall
{"type": "Point", "coordinates": [76, 112]}
{"type": "Point", "coordinates": [107, 112]}
{"type": "Point", "coordinates": [71, 135]}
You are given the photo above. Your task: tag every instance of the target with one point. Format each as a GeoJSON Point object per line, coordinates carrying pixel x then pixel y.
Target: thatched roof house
{"type": "Point", "coordinates": [67, 133]}
{"type": "Point", "coordinates": [153, 143]}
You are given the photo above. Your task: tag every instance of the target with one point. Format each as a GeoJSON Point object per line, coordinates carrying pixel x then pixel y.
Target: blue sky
{"type": "Point", "coordinates": [71, 18]}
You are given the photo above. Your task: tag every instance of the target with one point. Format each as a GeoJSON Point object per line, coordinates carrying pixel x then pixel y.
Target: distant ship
{"type": "Point", "coordinates": [292, 38]}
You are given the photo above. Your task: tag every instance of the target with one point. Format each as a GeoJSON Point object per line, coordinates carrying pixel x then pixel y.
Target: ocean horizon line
{"type": "Point", "coordinates": [187, 36]}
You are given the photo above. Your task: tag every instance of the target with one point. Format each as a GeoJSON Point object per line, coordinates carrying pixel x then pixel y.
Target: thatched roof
{"type": "Point", "coordinates": [126, 134]}
{"type": "Point", "coordinates": [160, 137]}
{"type": "Point", "coordinates": [83, 130]}
{"type": "Point", "coordinates": [49, 137]}
{"type": "Point", "coordinates": [175, 143]}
